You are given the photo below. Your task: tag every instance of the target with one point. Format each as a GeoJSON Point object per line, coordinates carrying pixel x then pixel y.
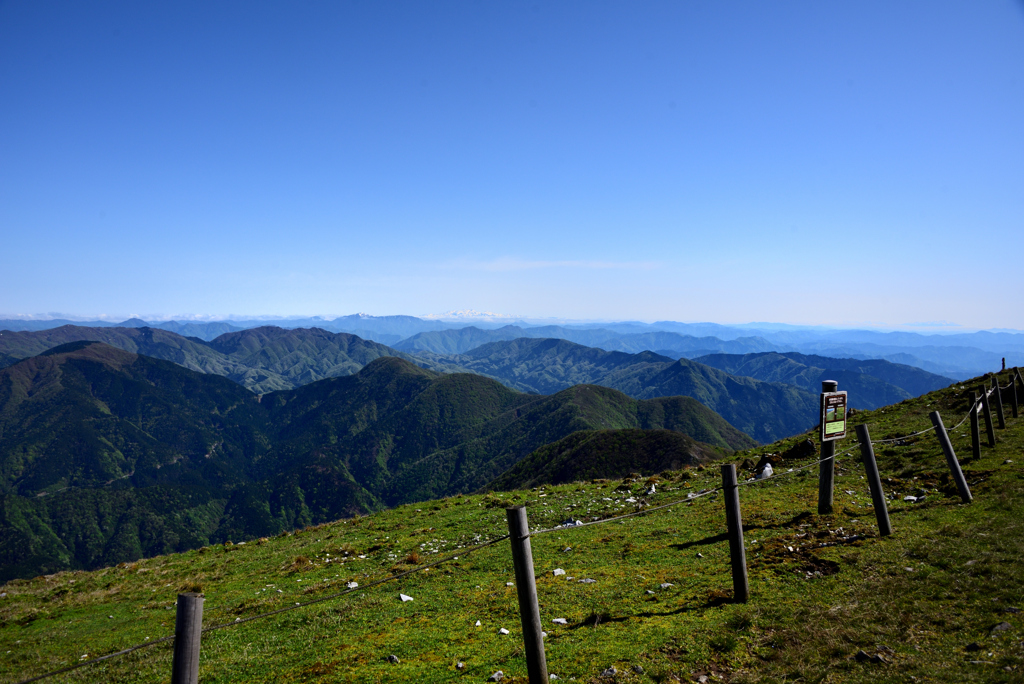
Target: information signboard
{"type": "Point", "coordinates": [833, 416]}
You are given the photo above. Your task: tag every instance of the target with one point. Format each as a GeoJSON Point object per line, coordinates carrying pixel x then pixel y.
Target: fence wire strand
{"type": "Point", "coordinates": [241, 621]}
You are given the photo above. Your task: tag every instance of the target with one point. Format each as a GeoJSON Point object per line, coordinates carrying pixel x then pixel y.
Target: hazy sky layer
{"type": "Point", "coordinates": [803, 162]}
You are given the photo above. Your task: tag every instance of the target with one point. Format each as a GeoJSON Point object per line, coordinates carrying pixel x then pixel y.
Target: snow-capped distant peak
{"type": "Point", "coordinates": [465, 314]}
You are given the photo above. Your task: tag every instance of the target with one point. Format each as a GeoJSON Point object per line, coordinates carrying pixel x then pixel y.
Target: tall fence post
{"type": "Point", "coordinates": [1013, 392]}
{"type": "Point", "coordinates": [867, 454]}
{"type": "Point", "coordinates": [999, 401]}
{"type": "Point", "coordinates": [526, 588]}
{"type": "Point", "coordinates": [954, 465]}
{"type": "Point", "coordinates": [734, 522]}
{"type": "Point", "coordinates": [988, 416]}
{"type": "Point", "coordinates": [975, 428]}
{"type": "Point", "coordinates": [826, 469]}
{"type": "Point", "coordinates": [188, 628]}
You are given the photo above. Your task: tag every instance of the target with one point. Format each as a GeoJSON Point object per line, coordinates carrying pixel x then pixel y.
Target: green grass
{"type": "Point", "coordinates": [919, 598]}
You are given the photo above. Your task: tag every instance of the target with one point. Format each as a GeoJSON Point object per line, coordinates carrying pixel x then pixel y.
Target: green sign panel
{"type": "Point", "coordinates": [833, 415]}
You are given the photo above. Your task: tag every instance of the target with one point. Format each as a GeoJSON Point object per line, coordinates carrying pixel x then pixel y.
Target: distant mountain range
{"type": "Point", "coordinates": [959, 356]}
{"type": "Point", "coordinates": [763, 410]}
{"type": "Point", "coordinates": [261, 359]}
{"type": "Point", "coordinates": [107, 455]}
{"type": "Point", "coordinates": [871, 384]}
{"type": "Point", "coordinates": [767, 395]}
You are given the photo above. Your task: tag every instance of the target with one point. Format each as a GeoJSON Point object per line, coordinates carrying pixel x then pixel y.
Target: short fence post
{"type": "Point", "coordinates": [954, 465]}
{"type": "Point", "coordinates": [975, 428]}
{"type": "Point", "coordinates": [827, 467]}
{"type": "Point", "coordinates": [988, 416]}
{"type": "Point", "coordinates": [867, 454]}
{"type": "Point", "coordinates": [1013, 392]}
{"type": "Point", "coordinates": [999, 401]}
{"type": "Point", "coordinates": [188, 628]}
{"type": "Point", "coordinates": [734, 522]}
{"type": "Point", "coordinates": [526, 588]}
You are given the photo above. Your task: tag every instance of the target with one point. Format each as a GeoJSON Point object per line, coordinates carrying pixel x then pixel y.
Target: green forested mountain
{"type": "Point", "coordinates": [590, 454]}
{"type": "Point", "coordinates": [764, 410]}
{"type": "Point", "coordinates": [107, 455]}
{"type": "Point", "coordinates": [871, 384]}
{"type": "Point", "coordinates": [463, 340]}
{"type": "Point", "coordinates": [261, 359]}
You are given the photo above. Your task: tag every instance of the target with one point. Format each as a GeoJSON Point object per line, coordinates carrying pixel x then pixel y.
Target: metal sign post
{"type": "Point", "coordinates": [833, 427]}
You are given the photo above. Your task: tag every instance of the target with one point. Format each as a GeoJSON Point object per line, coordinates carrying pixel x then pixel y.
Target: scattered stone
{"type": "Point", "coordinates": [552, 676]}
{"type": "Point", "coordinates": [510, 584]}
{"type": "Point", "coordinates": [477, 623]}
{"type": "Point", "coordinates": [700, 555]}
{"type": "Point", "coordinates": [558, 571]}
{"type": "Point", "coordinates": [1001, 627]}
{"type": "Point", "coordinates": [651, 593]}
{"type": "Point", "coordinates": [567, 549]}
{"type": "Point", "coordinates": [909, 569]}
{"type": "Point", "coordinates": [393, 659]}
{"type": "Point", "coordinates": [911, 499]}
{"type": "Point", "coordinates": [631, 500]}
{"type": "Point", "coordinates": [666, 585]}
{"type": "Point", "coordinates": [560, 621]}
{"type": "Point", "coordinates": [1011, 609]}
{"type": "Point", "coordinates": [460, 665]}
{"type": "Point", "coordinates": [972, 647]}
{"type": "Point", "coordinates": [496, 677]}
{"type": "Point", "coordinates": [502, 631]}
{"type": "Point", "coordinates": [1007, 462]}
{"type": "Point", "coordinates": [861, 657]}
{"type": "Point", "coordinates": [610, 672]}
{"type": "Point", "coordinates": [638, 669]}
{"type": "Point", "coordinates": [352, 585]}
{"type": "Point", "coordinates": [587, 581]}
{"type": "Point", "coordinates": [405, 598]}
{"type": "Point", "coordinates": [803, 449]}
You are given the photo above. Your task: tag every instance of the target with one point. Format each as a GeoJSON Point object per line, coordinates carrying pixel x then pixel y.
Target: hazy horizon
{"type": "Point", "coordinates": [470, 316]}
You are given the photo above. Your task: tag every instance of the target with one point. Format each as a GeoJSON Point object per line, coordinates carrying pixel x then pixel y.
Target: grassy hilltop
{"type": "Point", "coordinates": [937, 601]}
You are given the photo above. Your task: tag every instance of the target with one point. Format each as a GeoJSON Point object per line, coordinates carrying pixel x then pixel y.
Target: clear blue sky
{"type": "Point", "coordinates": [802, 162]}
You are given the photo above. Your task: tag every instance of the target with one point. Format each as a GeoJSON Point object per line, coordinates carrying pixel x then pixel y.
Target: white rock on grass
{"type": "Point", "coordinates": [477, 623]}
{"type": "Point", "coordinates": [502, 631]}
{"type": "Point", "coordinates": [405, 598]}
{"type": "Point", "coordinates": [560, 621]}
{"type": "Point", "coordinates": [587, 581]}
{"type": "Point", "coordinates": [610, 672]}
{"type": "Point", "coordinates": [558, 571]}
{"type": "Point", "coordinates": [666, 585]}
{"type": "Point", "coordinates": [496, 677]}
{"type": "Point", "coordinates": [352, 585]}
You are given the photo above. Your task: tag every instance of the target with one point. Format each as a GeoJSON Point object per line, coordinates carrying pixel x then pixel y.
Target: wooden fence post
{"type": "Point", "coordinates": [999, 401]}
{"type": "Point", "coordinates": [988, 416]}
{"type": "Point", "coordinates": [188, 628]}
{"type": "Point", "coordinates": [826, 469]}
{"type": "Point", "coordinates": [975, 428]}
{"type": "Point", "coordinates": [867, 454]}
{"type": "Point", "coordinates": [526, 588]}
{"type": "Point", "coordinates": [734, 522]}
{"type": "Point", "coordinates": [1013, 392]}
{"type": "Point", "coordinates": [954, 465]}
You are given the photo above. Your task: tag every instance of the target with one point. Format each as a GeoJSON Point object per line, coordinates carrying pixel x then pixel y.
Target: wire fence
{"type": "Point", "coordinates": [645, 510]}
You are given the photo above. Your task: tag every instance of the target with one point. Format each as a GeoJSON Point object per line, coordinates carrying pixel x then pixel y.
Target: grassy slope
{"type": "Point", "coordinates": [944, 578]}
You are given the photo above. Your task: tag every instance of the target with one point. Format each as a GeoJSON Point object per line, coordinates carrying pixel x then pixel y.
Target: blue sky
{"type": "Point", "coordinates": [803, 162]}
